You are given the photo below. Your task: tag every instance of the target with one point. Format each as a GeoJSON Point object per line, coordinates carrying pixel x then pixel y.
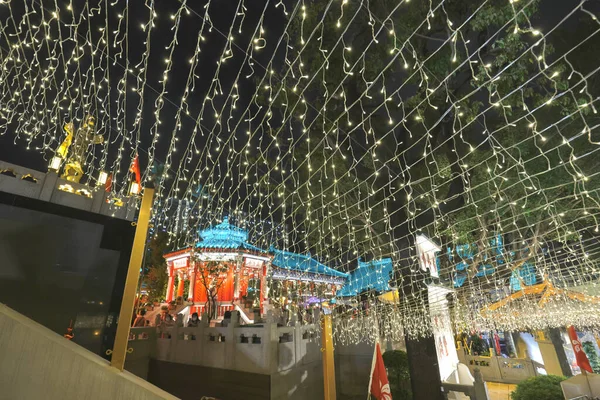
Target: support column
{"type": "Point", "coordinates": [328, 360]}
{"type": "Point", "coordinates": [133, 275]}
{"type": "Point", "coordinates": [550, 353]}
{"type": "Point", "coordinates": [424, 370]}
{"type": "Point", "coordinates": [423, 364]}
{"type": "Point", "coordinates": [180, 286]}
{"type": "Point", "coordinates": [191, 296]}
{"type": "Point", "coordinates": [263, 288]}
{"type": "Point", "coordinates": [231, 282]}
{"type": "Point", "coordinates": [236, 278]}
{"type": "Point", "coordinates": [170, 285]}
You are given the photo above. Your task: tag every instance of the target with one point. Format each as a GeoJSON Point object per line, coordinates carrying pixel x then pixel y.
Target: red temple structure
{"type": "Point", "coordinates": [240, 273]}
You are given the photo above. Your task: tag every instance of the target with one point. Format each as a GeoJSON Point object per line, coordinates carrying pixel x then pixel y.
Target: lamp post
{"type": "Point", "coordinates": [327, 349]}
{"type": "Point", "coordinates": [55, 163]}
{"type": "Point", "coordinates": [133, 274]}
{"type": "Point", "coordinates": [102, 178]}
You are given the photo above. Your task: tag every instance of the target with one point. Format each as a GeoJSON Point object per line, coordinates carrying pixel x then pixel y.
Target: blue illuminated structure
{"type": "Point", "coordinates": [372, 275]}
{"type": "Point", "coordinates": [288, 265]}
{"type": "Point", "coordinates": [466, 253]}
{"type": "Point", "coordinates": [225, 236]}
{"type": "Point", "coordinates": [524, 274]}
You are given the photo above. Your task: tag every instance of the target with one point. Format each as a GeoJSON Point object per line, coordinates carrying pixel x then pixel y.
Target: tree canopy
{"type": "Point", "coordinates": [462, 120]}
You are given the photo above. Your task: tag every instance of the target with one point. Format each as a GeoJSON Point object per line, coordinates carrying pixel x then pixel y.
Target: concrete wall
{"type": "Point", "coordinates": [352, 370]}
{"type": "Point", "coordinates": [36, 363]}
{"type": "Point", "coordinates": [299, 383]}
{"type": "Point", "coordinates": [264, 348]}
{"type": "Point", "coordinates": [192, 382]}
{"type": "Point", "coordinates": [48, 186]}
{"type": "Point", "coordinates": [499, 369]}
{"type": "Point", "coordinates": [265, 360]}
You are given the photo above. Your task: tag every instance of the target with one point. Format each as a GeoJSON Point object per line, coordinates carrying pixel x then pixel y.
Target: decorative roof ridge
{"type": "Point", "coordinates": [291, 253]}
{"type": "Point", "coordinates": [307, 258]}
{"type": "Point", "coordinates": [378, 262]}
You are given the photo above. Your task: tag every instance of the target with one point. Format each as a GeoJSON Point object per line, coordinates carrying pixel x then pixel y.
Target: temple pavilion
{"type": "Point", "coordinates": [245, 277]}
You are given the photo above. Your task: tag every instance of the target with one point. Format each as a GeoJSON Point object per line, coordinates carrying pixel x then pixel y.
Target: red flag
{"type": "Point", "coordinates": [108, 184]}
{"type": "Point", "coordinates": [582, 359]}
{"type": "Point", "coordinates": [497, 345]}
{"type": "Point", "coordinates": [380, 386]}
{"type": "Point", "coordinates": [135, 168]}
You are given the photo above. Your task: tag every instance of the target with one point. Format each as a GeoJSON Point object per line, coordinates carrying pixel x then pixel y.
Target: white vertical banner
{"type": "Point", "coordinates": [442, 330]}
{"type": "Point", "coordinates": [426, 250]}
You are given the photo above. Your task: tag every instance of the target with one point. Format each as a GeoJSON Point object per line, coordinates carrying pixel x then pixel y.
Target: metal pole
{"type": "Point", "coordinates": [133, 274]}
{"type": "Point", "coordinates": [328, 361]}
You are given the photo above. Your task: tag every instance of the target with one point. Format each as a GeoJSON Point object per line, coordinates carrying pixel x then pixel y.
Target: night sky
{"type": "Point", "coordinates": [222, 14]}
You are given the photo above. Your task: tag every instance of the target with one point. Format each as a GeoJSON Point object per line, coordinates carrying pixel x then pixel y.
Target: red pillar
{"type": "Point", "coordinates": [231, 279]}
{"type": "Point", "coordinates": [191, 294]}
{"type": "Point", "coordinates": [170, 285]}
{"type": "Point", "coordinates": [180, 287]}
{"type": "Point", "coordinates": [263, 287]}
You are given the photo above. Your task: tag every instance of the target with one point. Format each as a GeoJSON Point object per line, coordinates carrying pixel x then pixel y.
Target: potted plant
{"type": "Point", "coordinates": [396, 364]}
{"type": "Point", "coordinates": [545, 387]}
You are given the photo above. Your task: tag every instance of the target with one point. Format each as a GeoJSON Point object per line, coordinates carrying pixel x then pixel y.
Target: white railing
{"type": "Point", "coordinates": [243, 315]}
{"type": "Point", "coordinates": [262, 348]}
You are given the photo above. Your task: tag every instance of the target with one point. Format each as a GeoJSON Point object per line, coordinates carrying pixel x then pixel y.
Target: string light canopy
{"type": "Point", "coordinates": [339, 128]}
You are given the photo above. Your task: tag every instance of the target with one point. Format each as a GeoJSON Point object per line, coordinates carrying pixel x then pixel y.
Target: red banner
{"type": "Point", "coordinates": [582, 359]}
{"type": "Point", "coordinates": [380, 386]}
{"type": "Point", "coordinates": [135, 168]}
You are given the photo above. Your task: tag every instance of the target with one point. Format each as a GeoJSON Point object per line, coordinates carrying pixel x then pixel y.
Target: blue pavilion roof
{"type": "Point", "coordinates": [225, 236]}
{"type": "Point", "coordinates": [303, 263]}
{"type": "Point", "coordinates": [371, 275]}
{"type": "Point", "coordinates": [525, 274]}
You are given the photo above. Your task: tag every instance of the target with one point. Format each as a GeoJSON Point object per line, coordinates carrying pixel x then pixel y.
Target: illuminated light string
{"type": "Point", "coordinates": [142, 67]}
{"type": "Point", "coordinates": [216, 90]}
{"type": "Point", "coordinates": [207, 148]}
{"type": "Point", "coordinates": [384, 135]}
{"type": "Point", "coordinates": [311, 79]}
{"type": "Point", "coordinates": [159, 102]}
{"type": "Point", "coordinates": [528, 176]}
{"type": "Point", "coordinates": [270, 197]}
{"type": "Point", "coordinates": [225, 55]}
{"type": "Point", "coordinates": [538, 320]}
{"type": "Point", "coordinates": [188, 90]}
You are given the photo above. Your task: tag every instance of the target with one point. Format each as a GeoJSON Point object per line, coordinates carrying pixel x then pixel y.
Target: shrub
{"type": "Point", "coordinates": [545, 387]}
{"type": "Point", "coordinates": [396, 364]}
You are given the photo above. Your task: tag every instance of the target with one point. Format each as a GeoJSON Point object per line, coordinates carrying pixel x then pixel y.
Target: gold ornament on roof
{"type": "Point", "coordinates": [75, 146]}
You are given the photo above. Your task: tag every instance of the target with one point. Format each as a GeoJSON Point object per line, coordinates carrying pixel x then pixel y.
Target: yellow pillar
{"type": "Point", "coordinates": [133, 275]}
{"type": "Point", "coordinates": [548, 352]}
{"type": "Point", "coordinates": [328, 361]}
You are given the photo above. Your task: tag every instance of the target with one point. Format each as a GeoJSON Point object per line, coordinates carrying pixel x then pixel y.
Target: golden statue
{"type": "Point", "coordinates": [81, 141]}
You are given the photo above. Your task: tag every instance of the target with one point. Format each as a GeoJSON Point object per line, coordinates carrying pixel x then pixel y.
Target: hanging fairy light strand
{"type": "Point", "coordinates": [342, 132]}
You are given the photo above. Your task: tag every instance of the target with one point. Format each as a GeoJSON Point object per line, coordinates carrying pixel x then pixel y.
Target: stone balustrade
{"type": "Point", "coordinates": [499, 369]}
{"type": "Point", "coordinates": [262, 348]}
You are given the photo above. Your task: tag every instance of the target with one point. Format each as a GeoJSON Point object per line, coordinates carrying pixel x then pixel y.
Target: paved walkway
{"type": "Point", "coordinates": [500, 391]}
